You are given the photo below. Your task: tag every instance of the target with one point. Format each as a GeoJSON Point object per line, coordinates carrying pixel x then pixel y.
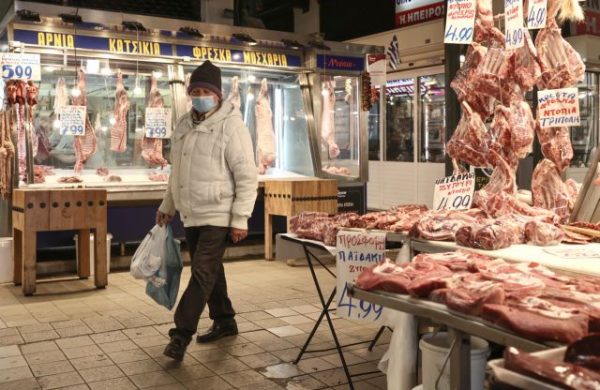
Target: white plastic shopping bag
{"type": "Point", "coordinates": [148, 258]}
{"type": "Point", "coordinates": [399, 362]}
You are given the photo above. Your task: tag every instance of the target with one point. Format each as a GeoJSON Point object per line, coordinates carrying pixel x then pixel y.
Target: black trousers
{"type": "Point", "coordinates": [207, 284]}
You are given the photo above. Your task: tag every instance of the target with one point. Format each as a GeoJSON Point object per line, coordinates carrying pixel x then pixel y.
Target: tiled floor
{"type": "Point", "coordinates": [71, 336]}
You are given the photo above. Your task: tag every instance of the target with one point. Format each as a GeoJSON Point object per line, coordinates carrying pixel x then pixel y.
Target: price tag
{"type": "Point", "coordinates": [20, 66]}
{"type": "Point", "coordinates": [558, 107]}
{"type": "Point", "coordinates": [454, 192]}
{"type": "Point", "coordinates": [513, 21]}
{"type": "Point", "coordinates": [460, 22]}
{"type": "Point", "coordinates": [158, 122]}
{"type": "Point", "coordinates": [357, 251]}
{"type": "Point", "coordinates": [72, 120]}
{"type": "Point", "coordinates": [536, 14]}
{"type": "Point", "coordinates": [376, 66]}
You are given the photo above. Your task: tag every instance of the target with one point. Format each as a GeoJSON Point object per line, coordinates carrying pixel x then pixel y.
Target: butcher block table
{"type": "Point", "coordinates": [79, 209]}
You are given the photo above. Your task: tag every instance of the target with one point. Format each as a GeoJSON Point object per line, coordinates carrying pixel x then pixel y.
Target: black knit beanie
{"type": "Point", "coordinates": [206, 76]}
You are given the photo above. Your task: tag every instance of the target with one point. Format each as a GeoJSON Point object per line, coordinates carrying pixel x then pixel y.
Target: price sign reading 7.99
{"type": "Point", "coordinates": [357, 251]}
{"type": "Point", "coordinates": [158, 122]}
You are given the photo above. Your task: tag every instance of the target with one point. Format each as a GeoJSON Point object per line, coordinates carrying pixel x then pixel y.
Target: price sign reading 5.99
{"type": "Point", "coordinates": [513, 21]}
{"type": "Point", "coordinates": [20, 66]}
{"type": "Point", "coordinates": [158, 122]}
{"type": "Point", "coordinates": [460, 22]}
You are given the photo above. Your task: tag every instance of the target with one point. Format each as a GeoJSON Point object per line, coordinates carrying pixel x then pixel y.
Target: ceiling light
{"type": "Point", "coordinates": [292, 44]}
{"type": "Point", "coordinates": [104, 129]}
{"type": "Point", "coordinates": [29, 16]}
{"type": "Point", "coordinates": [75, 92]}
{"type": "Point", "coordinates": [157, 74]}
{"type": "Point", "coordinates": [92, 66]}
{"type": "Point", "coordinates": [112, 120]}
{"type": "Point", "coordinates": [106, 71]}
{"type": "Point", "coordinates": [50, 69]}
{"type": "Point", "coordinates": [71, 18]}
{"type": "Point", "coordinates": [244, 38]}
{"type": "Point", "coordinates": [56, 124]}
{"type": "Point", "coordinates": [133, 26]}
{"type": "Point", "coordinates": [191, 31]}
{"type": "Point", "coordinates": [251, 78]}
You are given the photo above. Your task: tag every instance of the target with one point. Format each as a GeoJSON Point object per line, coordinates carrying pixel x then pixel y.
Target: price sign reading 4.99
{"type": "Point", "coordinates": [536, 14]}
{"type": "Point", "coordinates": [72, 120]}
{"type": "Point", "coordinates": [460, 22]}
{"type": "Point", "coordinates": [158, 122]}
{"type": "Point", "coordinates": [513, 21]}
{"type": "Point", "coordinates": [357, 251]}
{"type": "Point", "coordinates": [20, 66]}
{"type": "Point", "coordinates": [454, 192]}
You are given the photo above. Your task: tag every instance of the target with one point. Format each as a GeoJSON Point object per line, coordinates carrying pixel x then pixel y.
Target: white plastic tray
{"type": "Point", "coordinates": [525, 382]}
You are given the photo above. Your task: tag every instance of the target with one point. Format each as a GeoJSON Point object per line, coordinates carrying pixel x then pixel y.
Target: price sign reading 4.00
{"type": "Point", "coordinates": [537, 14]}
{"type": "Point", "coordinates": [357, 251]}
{"type": "Point", "coordinates": [513, 21]}
{"type": "Point", "coordinates": [454, 192]}
{"type": "Point", "coordinates": [460, 22]}
{"type": "Point", "coordinates": [158, 122]}
{"type": "Point", "coordinates": [20, 66]}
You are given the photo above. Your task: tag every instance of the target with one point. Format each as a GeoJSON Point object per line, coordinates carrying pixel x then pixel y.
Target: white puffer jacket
{"type": "Point", "coordinates": [213, 177]}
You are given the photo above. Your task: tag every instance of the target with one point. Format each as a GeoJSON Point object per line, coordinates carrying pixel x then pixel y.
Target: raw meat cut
{"type": "Point", "coordinates": [234, 93]}
{"type": "Point", "coordinates": [549, 191]}
{"type": "Point", "coordinates": [485, 235]}
{"type": "Point", "coordinates": [265, 138]}
{"type": "Point", "coordinates": [118, 133]}
{"type": "Point", "coordinates": [343, 171]}
{"type": "Point", "coordinates": [84, 145]}
{"type": "Point", "coordinates": [7, 155]}
{"type": "Point", "coordinates": [585, 352]}
{"type": "Point", "coordinates": [524, 66]}
{"type": "Point", "coordinates": [542, 233]}
{"type": "Point", "coordinates": [556, 145]}
{"type": "Point", "coordinates": [328, 119]}
{"type": "Point", "coordinates": [503, 204]}
{"type": "Point", "coordinates": [69, 179]}
{"type": "Point", "coordinates": [32, 92]}
{"type": "Point", "coordinates": [469, 143]}
{"type": "Point", "coordinates": [514, 128]}
{"type": "Point", "coordinates": [152, 151]}
{"type": "Point", "coordinates": [61, 96]}
{"type": "Point", "coordinates": [563, 375]}
{"type": "Point", "coordinates": [441, 225]}
{"type": "Point", "coordinates": [157, 176]}
{"type": "Point", "coordinates": [113, 179]}
{"type": "Point", "coordinates": [102, 171]}
{"type": "Point", "coordinates": [561, 65]}
{"type": "Point", "coordinates": [503, 179]}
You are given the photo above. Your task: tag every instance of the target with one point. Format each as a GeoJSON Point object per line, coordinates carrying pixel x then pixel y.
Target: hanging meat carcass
{"type": "Point", "coordinates": [234, 93]}
{"type": "Point", "coordinates": [328, 119]}
{"type": "Point", "coordinates": [152, 147]}
{"type": "Point", "coordinates": [469, 143]}
{"type": "Point", "coordinates": [265, 138]}
{"type": "Point", "coordinates": [84, 145]}
{"type": "Point", "coordinates": [31, 95]}
{"type": "Point", "coordinates": [7, 155]}
{"type": "Point", "coordinates": [549, 191]}
{"type": "Point", "coordinates": [61, 95]}
{"type": "Point", "coordinates": [118, 133]}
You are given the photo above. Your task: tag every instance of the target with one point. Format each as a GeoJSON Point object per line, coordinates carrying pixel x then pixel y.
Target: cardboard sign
{"type": "Point", "coordinates": [460, 22]}
{"type": "Point", "coordinates": [72, 120]}
{"type": "Point", "coordinates": [17, 66]}
{"type": "Point", "coordinates": [357, 251]}
{"type": "Point", "coordinates": [158, 122]}
{"type": "Point", "coordinates": [376, 66]}
{"type": "Point", "coordinates": [537, 14]}
{"type": "Point", "coordinates": [513, 22]}
{"type": "Point", "coordinates": [454, 192]}
{"type": "Point", "coordinates": [558, 107]}
{"type": "Point", "coordinates": [574, 252]}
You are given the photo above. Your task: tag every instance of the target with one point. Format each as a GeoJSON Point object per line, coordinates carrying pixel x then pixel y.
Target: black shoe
{"type": "Point", "coordinates": [217, 332]}
{"type": "Point", "coordinates": [176, 348]}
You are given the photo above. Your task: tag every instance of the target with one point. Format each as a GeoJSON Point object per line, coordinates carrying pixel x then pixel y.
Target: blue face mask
{"type": "Point", "coordinates": [203, 104]}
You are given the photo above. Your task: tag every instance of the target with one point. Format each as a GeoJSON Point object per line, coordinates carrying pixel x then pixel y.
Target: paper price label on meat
{"type": "Point", "coordinates": [72, 120]}
{"type": "Point", "coordinates": [559, 107]}
{"type": "Point", "coordinates": [357, 251]}
{"type": "Point", "coordinates": [158, 122]}
{"type": "Point", "coordinates": [513, 21]}
{"type": "Point", "coordinates": [20, 66]}
{"type": "Point", "coordinates": [454, 192]}
{"type": "Point", "coordinates": [460, 22]}
{"type": "Point", "coordinates": [536, 14]}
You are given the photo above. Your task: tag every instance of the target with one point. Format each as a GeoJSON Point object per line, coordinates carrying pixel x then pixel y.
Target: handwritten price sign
{"type": "Point", "coordinates": [72, 120]}
{"type": "Point", "coordinates": [460, 22]}
{"type": "Point", "coordinates": [454, 192]}
{"type": "Point", "coordinates": [357, 251]}
{"type": "Point", "coordinates": [536, 14]}
{"type": "Point", "coordinates": [559, 107]}
{"type": "Point", "coordinates": [20, 66]}
{"type": "Point", "coordinates": [158, 122]}
{"type": "Point", "coordinates": [513, 20]}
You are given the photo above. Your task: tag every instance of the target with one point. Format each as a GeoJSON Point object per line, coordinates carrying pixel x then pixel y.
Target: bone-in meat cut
{"type": "Point", "coordinates": [556, 145]}
{"type": "Point", "coordinates": [328, 119]}
{"type": "Point", "coordinates": [84, 145]}
{"type": "Point", "coordinates": [152, 148]}
{"type": "Point", "coordinates": [549, 191]}
{"type": "Point", "coordinates": [118, 133]}
{"type": "Point", "coordinates": [265, 137]}
{"type": "Point", "coordinates": [469, 141]}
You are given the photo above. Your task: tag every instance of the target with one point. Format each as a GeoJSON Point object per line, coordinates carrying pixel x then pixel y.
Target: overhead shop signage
{"type": "Point", "coordinates": [246, 57]}
{"type": "Point", "coordinates": [340, 63]}
{"type": "Point", "coordinates": [112, 45]}
{"type": "Point", "coordinates": [409, 12]}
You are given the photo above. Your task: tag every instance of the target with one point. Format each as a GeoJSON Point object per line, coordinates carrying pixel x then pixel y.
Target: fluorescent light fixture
{"type": "Point", "coordinates": [50, 68]}
{"type": "Point", "coordinates": [292, 44]}
{"type": "Point", "coordinates": [104, 129]}
{"type": "Point", "coordinates": [237, 56]}
{"type": "Point", "coordinates": [106, 71]}
{"type": "Point", "coordinates": [112, 120]}
{"type": "Point", "coordinates": [244, 38]}
{"type": "Point", "coordinates": [137, 91]}
{"type": "Point", "coordinates": [75, 92]}
{"type": "Point", "coordinates": [29, 16]}
{"type": "Point", "coordinates": [133, 26]}
{"type": "Point", "coordinates": [92, 66]}
{"type": "Point", "coordinates": [251, 78]}
{"type": "Point", "coordinates": [157, 74]}
{"type": "Point", "coordinates": [249, 96]}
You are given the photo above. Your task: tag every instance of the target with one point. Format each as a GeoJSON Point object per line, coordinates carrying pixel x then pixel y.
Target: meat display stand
{"type": "Point", "coordinates": [312, 251]}
{"type": "Point", "coordinates": [36, 211]}
{"type": "Point", "coordinates": [460, 328]}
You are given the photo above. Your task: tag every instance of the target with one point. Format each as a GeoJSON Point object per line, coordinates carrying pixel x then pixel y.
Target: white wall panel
{"type": "Point", "coordinates": [427, 174]}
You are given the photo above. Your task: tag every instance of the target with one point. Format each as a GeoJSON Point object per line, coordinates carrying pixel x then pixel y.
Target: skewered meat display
{"type": "Point", "coordinates": [328, 119]}
{"type": "Point", "coordinates": [265, 138]}
{"type": "Point", "coordinates": [84, 145]}
{"type": "Point", "coordinates": [152, 151]}
{"type": "Point", "coordinates": [528, 299]}
{"type": "Point", "coordinates": [7, 155]}
{"type": "Point", "coordinates": [118, 133]}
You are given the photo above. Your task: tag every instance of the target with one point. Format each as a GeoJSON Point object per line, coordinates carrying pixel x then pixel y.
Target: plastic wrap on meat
{"type": "Point", "coordinates": [84, 145]}
{"type": "Point", "coordinates": [503, 204]}
{"type": "Point", "coordinates": [556, 145]}
{"type": "Point", "coordinates": [385, 277]}
{"type": "Point", "coordinates": [487, 235]}
{"type": "Point", "coordinates": [525, 69]}
{"type": "Point", "coordinates": [561, 65]}
{"type": "Point", "coordinates": [503, 179]}
{"type": "Point", "coordinates": [535, 326]}
{"type": "Point", "coordinates": [549, 191]}
{"type": "Point", "coordinates": [118, 133]}
{"type": "Point", "coordinates": [469, 143]}
{"type": "Point", "coordinates": [542, 233]}
{"type": "Point", "coordinates": [472, 295]}
{"type": "Point", "coordinates": [441, 225]}
{"type": "Point", "coordinates": [563, 375]}
{"type": "Point", "coordinates": [265, 137]}
{"type": "Point", "coordinates": [585, 352]}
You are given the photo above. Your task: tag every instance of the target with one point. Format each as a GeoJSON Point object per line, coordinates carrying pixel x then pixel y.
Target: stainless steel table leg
{"type": "Point", "coordinates": [460, 361]}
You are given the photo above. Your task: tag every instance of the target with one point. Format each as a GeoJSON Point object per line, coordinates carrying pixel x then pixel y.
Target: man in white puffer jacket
{"type": "Point", "coordinates": [213, 185]}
